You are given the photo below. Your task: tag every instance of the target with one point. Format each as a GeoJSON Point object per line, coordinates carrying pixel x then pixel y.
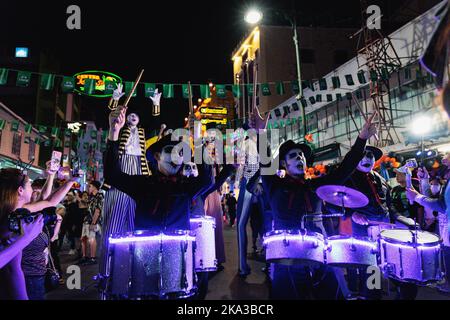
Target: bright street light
{"type": "Point", "coordinates": [253, 16]}
{"type": "Point", "coordinates": [421, 125]}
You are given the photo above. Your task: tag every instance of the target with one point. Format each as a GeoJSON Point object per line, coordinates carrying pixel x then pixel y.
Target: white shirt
{"type": "Point", "coordinates": [133, 146]}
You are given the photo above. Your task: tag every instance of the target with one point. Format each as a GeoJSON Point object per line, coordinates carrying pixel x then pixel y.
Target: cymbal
{"type": "Point", "coordinates": [342, 196]}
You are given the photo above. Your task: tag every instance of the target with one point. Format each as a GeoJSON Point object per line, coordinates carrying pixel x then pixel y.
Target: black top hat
{"type": "Point", "coordinates": [377, 152]}
{"type": "Point", "coordinates": [164, 141]}
{"type": "Point", "coordinates": [289, 145]}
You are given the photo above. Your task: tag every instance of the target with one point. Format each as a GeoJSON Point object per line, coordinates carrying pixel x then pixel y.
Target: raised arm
{"type": "Point", "coordinates": [53, 200]}
{"type": "Point", "coordinates": [133, 185]}
{"type": "Point", "coordinates": [351, 159]}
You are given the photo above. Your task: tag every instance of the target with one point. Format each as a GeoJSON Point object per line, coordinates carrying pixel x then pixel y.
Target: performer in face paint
{"type": "Point", "coordinates": [119, 208]}
{"type": "Point", "coordinates": [379, 209]}
{"type": "Point", "coordinates": [290, 199]}
{"type": "Point", "coordinates": [163, 199]}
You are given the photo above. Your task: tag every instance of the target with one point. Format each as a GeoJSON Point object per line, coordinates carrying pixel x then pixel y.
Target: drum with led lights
{"type": "Point", "coordinates": [347, 251]}
{"type": "Point", "coordinates": [147, 265]}
{"type": "Point", "coordinates": [411, 255]}
{"type": "Point", "coordinates": [205, 250]}
{"type": "Point", "coordinates": [294, 247]}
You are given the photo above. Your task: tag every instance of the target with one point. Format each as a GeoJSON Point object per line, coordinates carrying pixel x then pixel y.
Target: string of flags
{"type": "Point", "coordinates": [67, 84]}
{"type": "Point", "coordinates": [56, 136]}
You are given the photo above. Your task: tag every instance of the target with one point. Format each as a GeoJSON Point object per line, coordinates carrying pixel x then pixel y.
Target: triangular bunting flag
{"type": "Point", "coordinates": [265, 88]}
{"type": "Point", "coordinates": [3, 76]}
{"type": "Point", "coordinates": [55, 132]}
{"type": "Point", "coordinates": [237, 92]}
{"type": "Point", "coordinates": [185, 89]}
{"type": "Point", "coordinates": [149, 89]}
{"type": "Point", "coordinates": [47, 81]}
{"type": "Point", "coordinates": [14, 126]}
{"type": "Point", "coordinates": [129, 87]}
{"type": "Point", "coordinates": [23, 78]}
{"type": "Point", "coordinates": [28, 128]}
{"type": "Point", "coordinates": [110, 86]}
{"type": "Point", "coordinates": [68, 85]}
{"type": "Point", "coordinates": [168, 91]}
{"type": "Point", "coordinates": [280, 88]}
{"type": "Point", "coordinates": [221, 91]}
{"type": "Point", "coordinates": [89, 86]}
{"type": "Point", "coordinates": [205, 93]}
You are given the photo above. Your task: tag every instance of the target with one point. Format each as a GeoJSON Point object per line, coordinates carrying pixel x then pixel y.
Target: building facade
{"type": "Point", "coordinates": [268, 55]}
{"type": "Point", "coordinates": [334, 114]}
{"type": "Point", "coordinates": [16, 144]}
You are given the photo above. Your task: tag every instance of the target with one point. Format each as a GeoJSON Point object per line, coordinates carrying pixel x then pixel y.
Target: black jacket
{"type": "Point", "coordinates": [162, 203]}
{"type": "Point", "coordinates": [290, 198]}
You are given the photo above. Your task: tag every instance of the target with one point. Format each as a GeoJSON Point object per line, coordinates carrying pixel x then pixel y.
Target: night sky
{"type": "Point", "coordinates": [174, 41]}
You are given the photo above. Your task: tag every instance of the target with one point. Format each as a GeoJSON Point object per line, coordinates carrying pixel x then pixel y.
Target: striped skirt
{"type": "Point", "coordinates": [119, 208]}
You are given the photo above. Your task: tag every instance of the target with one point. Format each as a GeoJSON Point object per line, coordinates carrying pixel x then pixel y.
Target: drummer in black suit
{"type": "Point", "coordinates": [291, 198]}
{"type": "Point", "coordinates": [163, 199]}
{"type": "Point", "coordinates": [379, 209]}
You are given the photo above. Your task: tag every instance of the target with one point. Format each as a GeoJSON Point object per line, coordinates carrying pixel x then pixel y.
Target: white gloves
{"type": "Point", "coordinates": [156, 97]}
{"type": "Point", "coordinates": [117, 94]}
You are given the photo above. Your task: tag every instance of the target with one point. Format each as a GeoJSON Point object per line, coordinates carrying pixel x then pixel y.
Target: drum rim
{"type": "Point", "coordinates": [394, 241]}
{"type": "Point", "coordinates": [292, 232]}
{"type": "Point", "coordinates": [199, 216]}
{"type": "Point", "coordinates": [361, 238]}
{"type": "Point", "coordinates": [149, 233]}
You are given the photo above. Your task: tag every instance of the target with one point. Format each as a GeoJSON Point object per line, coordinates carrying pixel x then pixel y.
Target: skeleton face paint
{"type": "Point", "coordinates": [133, 119]}
{"type": "Point", "coordinates": [190, 170]}
{"type": "Point", "coordinates": [367, 163]}
{"type": "Point", "coordinates": [295, 162]}
{"type": "Point", "coordinates": [171, 159]}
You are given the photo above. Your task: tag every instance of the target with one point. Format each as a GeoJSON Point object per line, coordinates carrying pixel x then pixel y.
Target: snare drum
{"type": "Point", "coordinates": [205, 249]}
{"type": "Point", "coordinates": [294, 247]}
{"type": "Point", "coordinates": [347, 252]}
{"type": "Point", "coordinates": [147, 264]}
{"type": "Point", "coordinates": [411, 256]}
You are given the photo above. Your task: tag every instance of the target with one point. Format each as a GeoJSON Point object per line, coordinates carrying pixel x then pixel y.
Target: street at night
{"type": "Point", "coordinates": [207, 151]}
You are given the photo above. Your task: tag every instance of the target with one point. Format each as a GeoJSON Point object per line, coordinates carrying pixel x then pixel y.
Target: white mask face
{"type": "Point", "coordinates": [367, 163]}
{"type": "Point", "coordinates": [295, 162]}
{"type": "Point", "coordinates": [133, 119]}
{"type": "Point", "coordinates": [169, 161]}
{"type": "Point", "coordinates": [190, 170]}
{"type": "Point", "coordinates": [435, 189]}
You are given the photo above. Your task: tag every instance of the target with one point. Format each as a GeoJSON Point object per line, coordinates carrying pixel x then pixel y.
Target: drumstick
{"type": "Point", "coordinates": [133, 89]}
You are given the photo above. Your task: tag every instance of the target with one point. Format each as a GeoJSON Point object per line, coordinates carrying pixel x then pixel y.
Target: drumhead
{"type": "Point", "coordinates": [406, 236]}
{"type": "Point", "coordinates": [180, 233]}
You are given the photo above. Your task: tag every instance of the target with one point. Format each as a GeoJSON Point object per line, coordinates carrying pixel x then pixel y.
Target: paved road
{"type": "Point", "coordinates": [224, 285]}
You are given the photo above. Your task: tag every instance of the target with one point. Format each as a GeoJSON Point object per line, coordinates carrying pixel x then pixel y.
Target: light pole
{"type": "Point", "coordinates": [253, 17]}
{"type": "Point", "coordinates": [293, 22]}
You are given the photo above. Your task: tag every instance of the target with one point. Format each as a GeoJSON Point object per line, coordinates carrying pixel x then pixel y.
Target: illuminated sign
{"type": "Point", "coordinates": [74, 127]}
{"type": "Point", "coordinates": [101, 79]}
{"type": "Point", "coordinates": [217, 121]}
{"type": "Point", "coordinates": [213, 110]}
{"type": "Point", "coordinates": [21, 52]}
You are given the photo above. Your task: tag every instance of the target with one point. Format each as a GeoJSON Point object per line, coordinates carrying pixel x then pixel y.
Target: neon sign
{"type": "Point", "coordinates": [213, 110]}
{"type": "Point", "coordinates": [216, 121]}
{"type": "Point", "coordinates": [102, 79]}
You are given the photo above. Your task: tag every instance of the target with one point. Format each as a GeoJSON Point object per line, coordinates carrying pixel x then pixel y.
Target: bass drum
{"type": "Point", "coordinates": [290, 247]}
{"type": "Point", "coordinates": [151, 265]}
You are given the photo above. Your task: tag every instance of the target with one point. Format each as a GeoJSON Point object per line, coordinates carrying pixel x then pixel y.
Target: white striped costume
{"type": "Point", "coordinates": [119, 208]}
